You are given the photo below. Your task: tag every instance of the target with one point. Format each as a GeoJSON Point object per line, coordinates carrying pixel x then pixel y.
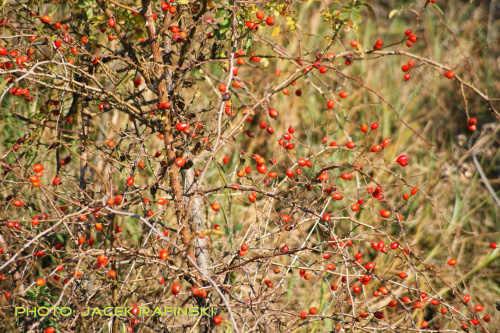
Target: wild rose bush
{"type": "Point", "coordinates": [253, 157]}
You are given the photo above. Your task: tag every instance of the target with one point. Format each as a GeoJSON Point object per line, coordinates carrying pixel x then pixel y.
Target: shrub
{"type": "Point", "coordinates": [265, 159]}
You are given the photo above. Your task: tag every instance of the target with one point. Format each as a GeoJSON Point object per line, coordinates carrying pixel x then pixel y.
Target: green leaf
{"type": "Point", "coordinates": [248, 42]}
{"type": "Point", "coordinates": [357, 9]}
{"type": "Point", "coordinates": [220, 12]}
{"type": "Point", "coordinates": [356, 17]}
{"type": "Point", "coordinates": [344, 16]}
{"type": "Point", "coordinates": [226, 22]}
{"type": "Point", "coordinates": [89, 13]}
{"type": "Point", "coordinates": [224, 27]}
{"type": "Point", "coordinates": [437, 8]}
{"type": "Point", "coordinates": [218, 35]}
{"type": "Point", "coordinates": [83, 4]}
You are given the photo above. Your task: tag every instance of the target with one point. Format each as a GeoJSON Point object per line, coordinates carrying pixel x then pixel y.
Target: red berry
{"type": "Point", "coordinates": [385, 213]}
{"type": "Point", "coordinates": [337, 196]}
{"type": "Point", "coordinates": [38, 168]}
{"type": "Point", "coordinates": [179, 162]}
{"type": "Point", "coordinates": [176, 289]}
{"type": "Point", "coordinates": [261, 168]}
{"type": "Point", "coordinates": [414, 190]}
{"type": "Point", "coordinates": [163, 254]}
{"type": "Point", "coordinates": [369, 266]}
{"type": "Point", "coordinates": [402, 160]}
{"type": "Point", "coordinates": [273, 113]}
{"type": "Point", "coordinates": [479, 308]}
{"type": "Point", "coordinates": [46, 19]}
{"type": "Point", "coordinates": [350, 145]}
{"type": "Point", "coordinates": [270, 21]}
{"type": "Point", "coordinates": [285, 218]}
{"type": "Point", "coordinates": [251, 25]}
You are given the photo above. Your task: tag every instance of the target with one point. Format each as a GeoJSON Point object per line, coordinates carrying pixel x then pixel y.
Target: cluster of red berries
{"type": "Point", "coordinates": [378, 44]}
{"type": "Point", "coordinates": [252, 25]}
{"type": "Point", "coordinates": [412, 38]}
{"type": "Point", "coordinates": [471, 126]}
{"type": "Point", "coordinates": [406, 68]}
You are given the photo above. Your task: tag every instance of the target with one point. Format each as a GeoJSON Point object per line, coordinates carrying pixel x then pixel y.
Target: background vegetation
{"type": "Point", "coordinates": [452, 216]}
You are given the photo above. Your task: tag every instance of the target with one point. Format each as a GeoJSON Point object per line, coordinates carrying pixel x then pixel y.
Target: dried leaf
{"type": "Point", "coordinates": [275, 32]}
{"type": "Point", "coordinates": [3, 84]}
{"type": "Point", "coordinates": [214, 232]}
{"type": "Point", "coordinates": [264, 62]}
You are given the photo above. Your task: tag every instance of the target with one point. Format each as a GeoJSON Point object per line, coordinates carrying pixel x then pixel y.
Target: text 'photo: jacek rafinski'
{"type": "Point", "coordinates": [115, 311]}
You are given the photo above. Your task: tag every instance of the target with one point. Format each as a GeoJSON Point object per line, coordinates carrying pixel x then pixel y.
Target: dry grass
{"type": "Point", "coordinates": [452, 216]}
